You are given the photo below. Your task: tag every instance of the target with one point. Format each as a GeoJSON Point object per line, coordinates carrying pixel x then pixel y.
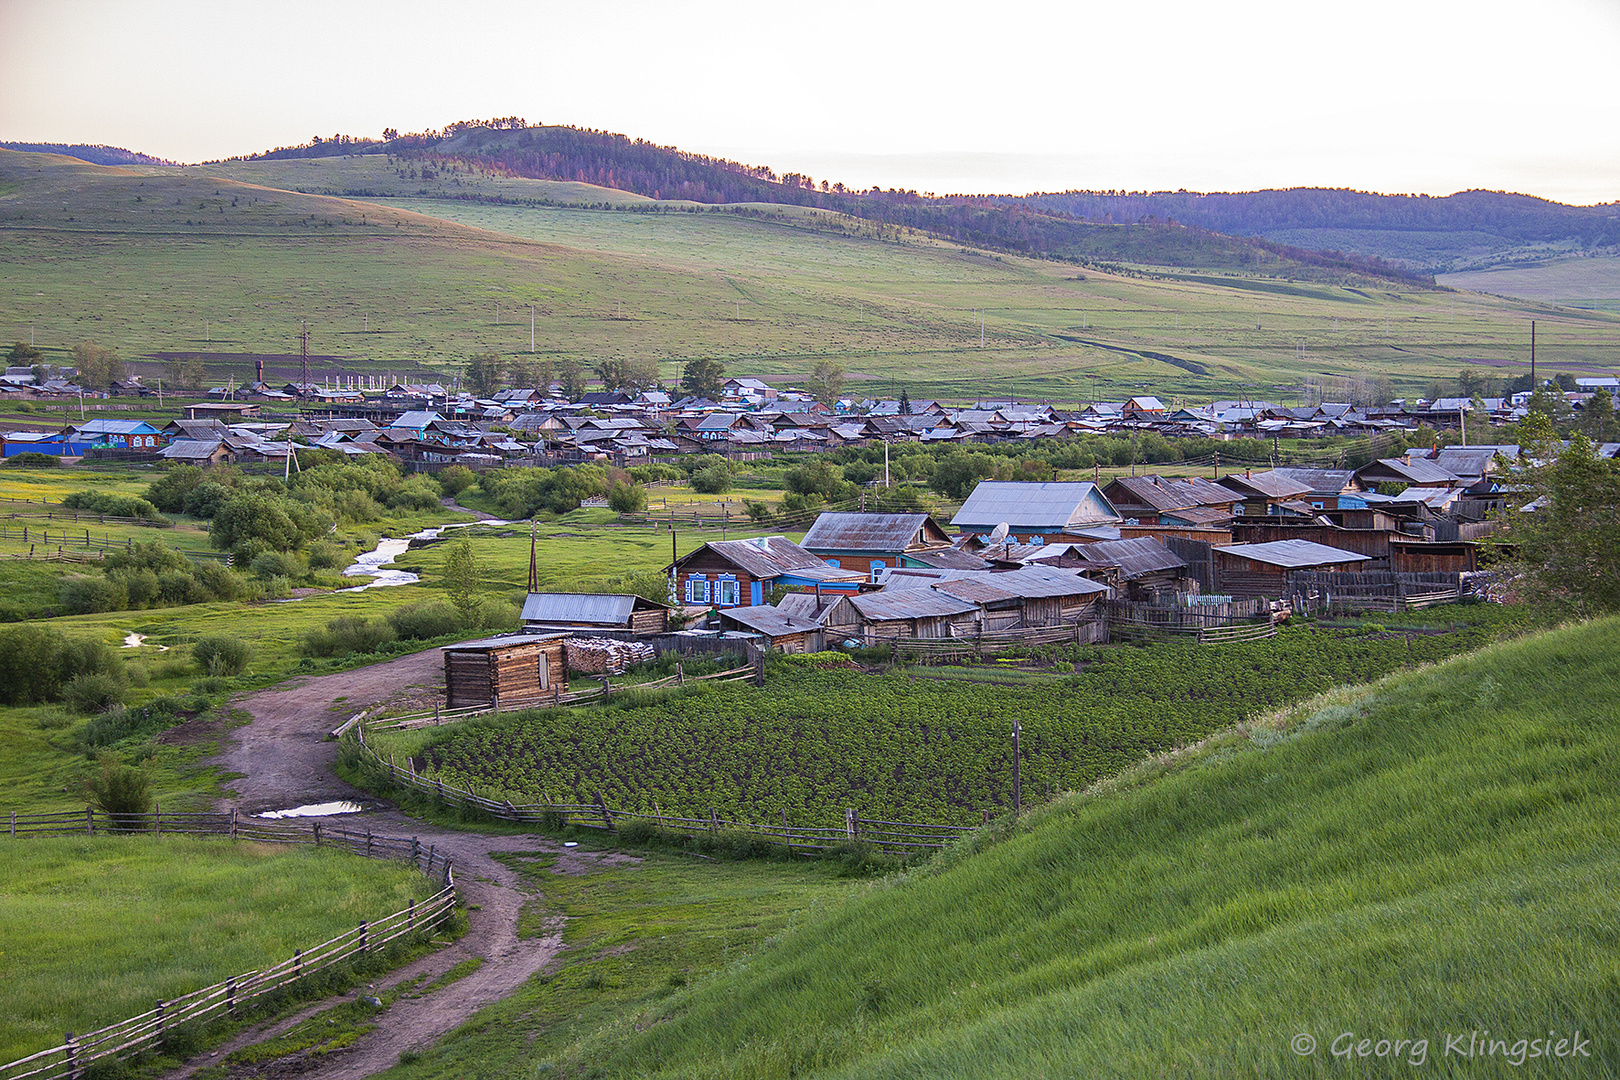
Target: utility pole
{"type": "Point", "coordinates": [303, 369]}
{"type": "Point", "coordinates": [1018, 784]}
{"type": "Point", "coordinates": [1532, 356]}
{"type": "Point", "coordinates": [886, 483]}
{"type": "Point", "coordinates": [534, 569]}
{"type": "Point", "coordinates": [531, 328]}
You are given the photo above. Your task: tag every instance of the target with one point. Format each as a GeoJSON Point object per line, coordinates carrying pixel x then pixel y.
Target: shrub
{"type": "Point", "coordinates": [221, 654]}
{"type": "Point", "coordinates": [418, 493]}
{"type": "Point", "coordinates": [456, 479]}
{"type": "Point", "coordinates": [94, 692]}
{"type": "Point", "coordinates": [120, 790]}
{"type": "Point", "coordinates": [93, 595]}
{"type": "Point", "coordinates": [103, 502]}
{"type": "Point", "coordinates": [422, 621]}
{"type": "Point", "coordinates": [169, 492]}
{"type": "Point", "coordinates": [273, 564]}
{"type": "Point", "coordinates": [325, 555]}
{"type": "Point", "coordinates": [347, 634]}
{"type": "Point", "coordinates": [715, 480]}
{"type": "Point", "coordinates": [627, 498]}
{"type": "Point", "coordinates": [204, 500]}
{"type": "Point", "coordinates": [32, 460]}
{"type": "Point", "coordinates": [358, 506]}
{"type": "Point", "coordinates": [112, 726]}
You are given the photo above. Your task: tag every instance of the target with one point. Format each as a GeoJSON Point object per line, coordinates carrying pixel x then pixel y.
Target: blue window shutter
{"type": "Point", "coordinates": [756, 594]}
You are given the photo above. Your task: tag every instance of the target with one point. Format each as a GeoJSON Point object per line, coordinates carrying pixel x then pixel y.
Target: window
{"type": "Point", "coordinates": [1318, 505]}
{"type": "Point", "coordinates": [727, 591]}
{"type": "Point", "coordinates": [697, 589]}
{"type": "Point", "coordinates": [832, 562]}
{"type": "Point", "coordinates": [877, 569]}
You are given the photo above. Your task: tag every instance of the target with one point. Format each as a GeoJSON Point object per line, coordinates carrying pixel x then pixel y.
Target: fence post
{"type": "Point", "coordinates": [849, 823]}
{"type": "Point", "coordinates": [607, 689]}
{"type": "Point", "coordinates": [607, 818]}
{"type": "Point", "coordinates": [161, 1022]}
{"type": "Point", "coordinates": [89, 821]}
{"type": "Point", "coordinates": [364, 936]}
{"type": "Point", "coordinates": [714, 820]}
{"type": "Point", "coordinates": [316, 828]}
{"type": "Point", "coordinates": [436, 720]}
{"type": "Point", "coordinates": [416, 851]}
{"type": "Point", "coordinates": [368, 843]}
{"type": "Point", "coordinates": [680, 676]}
{"type": "Point", "coordinates": [72, 1046]}
{"type": "Point", "coordinates": [230, 995]}
{"type": "Point", "coordinates": [157, 817]}
{"type": "Point", "coordinates": [410, 915]}
{"type": "Point", "coordinates": [233, 823]}
{"type": "Point", "coordinates": [14, 813]}
{"type": "Point", "coordinates": [298, 963]}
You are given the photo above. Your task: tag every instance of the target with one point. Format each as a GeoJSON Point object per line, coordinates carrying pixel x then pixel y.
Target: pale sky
{"type": "Point", "coordinates": [1393, 96]}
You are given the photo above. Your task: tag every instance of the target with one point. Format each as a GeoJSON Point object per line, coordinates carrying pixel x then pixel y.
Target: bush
{"type": "Point", "coordinates": [715, 480]}
{"type": "Point", "coordinates": [93, 595]}
{"type": "Point", "coordinates": [274, 564]}
{"type": "Point", "coordinates": [103, 502]}
{"type": "Point", "coordinates": [627, 498]}
{"type": "Point", "coordinates": [456, 479]}
{"type": "Point", "coordinates": [325, 555]}
{"type": "Point", "coordinates": [32, 460]}
{"type": "Point", "coordinates": [118, 789]}
{"type": "Point", "coordinates": [169, 492]}
{"type": "Point", "coordinates": [93, 693]}
{"type": "Point", "coordinates": [221, 654]}
{"type": "Point", "coordinates": [418, 493]}
{"type": "Point", "coordinates": [204, 500]}
{"type": "Point", "coordinates": [347, 634]}
{"type": "Point", "coordinates": [420, 622]}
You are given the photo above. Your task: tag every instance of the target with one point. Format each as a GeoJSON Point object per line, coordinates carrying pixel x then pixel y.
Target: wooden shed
{"type": "Point", "coordinates": [1261, 569]}
{"type": "Point", "coordinates": [514, 669]}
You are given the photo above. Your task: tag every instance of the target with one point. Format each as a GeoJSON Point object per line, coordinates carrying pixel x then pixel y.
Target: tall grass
{"type": "Point", "coordinates": [1429, 856]}
{"type": "Point", "coordinates": [95, 929]}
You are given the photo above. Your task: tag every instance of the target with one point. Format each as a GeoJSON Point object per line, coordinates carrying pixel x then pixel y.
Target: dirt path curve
{"type": "Point", "coordinates": [285, 761]}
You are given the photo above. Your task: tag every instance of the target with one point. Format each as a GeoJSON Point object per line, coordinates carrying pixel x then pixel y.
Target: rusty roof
{"type": "Point", "coordinates": [1142, 555]}
{"type": "Point", "coordinates": [1271, 484]}
{"type": "Point", "coordinates": [840, 532]}
{"type": "Point", "coordinates": [908, 604]}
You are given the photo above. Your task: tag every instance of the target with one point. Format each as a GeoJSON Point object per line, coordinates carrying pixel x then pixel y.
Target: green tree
{"type": "Point", "coordinates": [1568, 541]}
{"type": "Point", "coordinates": [97, 367]}
{"type": "Point", "coordinates": [572, 377]}
{"type": "Point", "coordinates": [1598, 420]}
{"type": "Point", "coordinates": [186, 373]}
{"type": "Point", "coordinates": [827, 382]}
{"type": "Point", "coordinates": [959, 472]}
{"type": "Point", "coordinates": [22, 355]}
{"type": "Point", "coordinates": [484, 373]}
{"type": "Point", "coordinates": [636, 376]}
{"type": "Point", "coordinates": [461, 574]}
{"type": "Point", "coordinates": [704, 377]}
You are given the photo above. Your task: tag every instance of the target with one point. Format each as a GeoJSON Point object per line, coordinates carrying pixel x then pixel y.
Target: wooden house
{"type": "Point", "coordinates": [872, 542]}
{"type": "Point", "coordinates": [783, 630]}
{"type": "Point", "coordinates": [508, 670]}
{"type": "Point", "coordinates": [1136, 569]}
{"type": "Point", "coordinates": [1033, 596]}
{"type": "Point", "coordinates": [1269, 494]}
{"type": "Point", "coordinates": [597, 612]}
{"type": "Point", "coordinates": [1261, 569]}
{"type": "Point", "coordinates": [914, 613]}
{"type": "Point", "coordinates": [737, 573]}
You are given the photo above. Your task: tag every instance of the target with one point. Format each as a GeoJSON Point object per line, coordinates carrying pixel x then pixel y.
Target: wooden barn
{"type": "Point", "coordinates": [633, 614]}
{"type": "Point", "coordinates": [1262, 569]}
{"type": "Point", "coordinates": [515, 669]}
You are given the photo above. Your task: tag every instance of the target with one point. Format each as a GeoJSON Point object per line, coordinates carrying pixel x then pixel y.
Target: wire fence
{"type": "Point", "coordinates": [148, 1031]}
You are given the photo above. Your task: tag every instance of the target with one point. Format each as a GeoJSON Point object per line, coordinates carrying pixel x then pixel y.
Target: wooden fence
{"type": "Point", "coordinates": [1208, 624]}
{"type": "Point", "coordinates": [138, 1034]}
{"type": "Point", "coordinates": [940, 650]}
{"type": "Point", "coordinates": [892, 836]}
{"type": "Point", "coordinates": [1352, 593]}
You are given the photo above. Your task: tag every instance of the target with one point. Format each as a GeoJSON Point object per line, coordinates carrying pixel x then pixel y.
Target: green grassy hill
{"type": "Point", "coordinates": [216, 260]}
{"type": "Point", "coordinates": [1427, 857]}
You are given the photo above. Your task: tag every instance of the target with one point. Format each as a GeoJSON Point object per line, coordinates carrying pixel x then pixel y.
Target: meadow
{"type": "Point", "coordinates": [772, 291]}
{"type": "Point", "coordinates": [95, 929]}
{"type": "Point", "coordinates": [1427, 856]}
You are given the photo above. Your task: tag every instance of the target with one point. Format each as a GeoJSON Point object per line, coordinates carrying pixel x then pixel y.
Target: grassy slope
{"type": "Point", "coordinates": [188, 913]}
{"type": "Point", "coordinates": [1429, 855]}
{"type": "Point", "coordinates": [770, 296]}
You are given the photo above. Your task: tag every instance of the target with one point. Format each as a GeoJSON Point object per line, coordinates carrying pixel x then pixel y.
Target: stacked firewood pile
{"type": "Point", "coordinates": [604, 656]}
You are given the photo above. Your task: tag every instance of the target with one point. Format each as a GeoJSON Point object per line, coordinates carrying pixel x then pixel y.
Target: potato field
{"type": "Point", "coordinates": [911, 744]}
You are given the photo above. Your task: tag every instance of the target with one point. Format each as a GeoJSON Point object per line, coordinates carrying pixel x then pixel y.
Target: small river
{"type": "Point", "coordinates": [374, 563]}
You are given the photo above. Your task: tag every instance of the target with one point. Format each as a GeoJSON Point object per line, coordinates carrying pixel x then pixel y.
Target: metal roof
{"type": "Point", "coordinates": [1026, 581]}
{"type": "Point", "coordinates": [1292, 554]}
{"type": "Point", "coordinates": [1135, 557]}
{"type": "Point", "coordinates": [1320, 481]}
{"type": "Point", "coordinates": [1420, 472]}
{"type": "Point", "coordinates": [602, 609]}
{"type": "Point", "coordinates": [908, 604]}
{"type": "Point", "coordinates": [765, 557]}
{"type": "Point", "coordinates": [769, 620]}
{"type": "Point", "coordinates": [948, 559]}
{"type": "Point", "coordinates": [840, 532]}
{"type": "Point", "coordinates": [502, 641]}
{"type": "Point", "coordinates": [1271, 484]}
{"type": "Point", "coordinates": [1050, 505]}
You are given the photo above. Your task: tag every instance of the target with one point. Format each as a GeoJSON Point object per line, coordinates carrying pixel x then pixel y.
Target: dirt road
{"type": "Point", "coordinates": [285, 761]}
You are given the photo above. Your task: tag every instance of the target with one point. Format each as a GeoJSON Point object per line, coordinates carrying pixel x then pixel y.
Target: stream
{"type": "Point", "coordinates": [374, 563]}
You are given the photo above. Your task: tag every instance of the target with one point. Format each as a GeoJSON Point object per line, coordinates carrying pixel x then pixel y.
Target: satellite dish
{"type": "Point", "coordinates": [998, 534]}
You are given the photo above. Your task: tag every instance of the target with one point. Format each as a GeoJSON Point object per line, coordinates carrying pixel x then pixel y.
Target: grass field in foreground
{"type": "Point", "coordinates": [94, 929]}
{"type": "Point", "coordinates": [1428, 856]}
{"type": "Point", "coordinates": [204, 263]}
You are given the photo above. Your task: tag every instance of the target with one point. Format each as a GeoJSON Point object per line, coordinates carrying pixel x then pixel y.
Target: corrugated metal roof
{"type": "Point", "coordinates": [1292, 554]}
{"type": "Point", "coordinates": [502, 641]}
{"type": "Point", "coordinates": [1420, 472]}
{"type": "Point", "coordinates": [1142, 555]}
{"type": "Point", "coordinates": [839, 532]}
{"type": "Point", "coordinates": [948, 559]}
{"type": "Point", "coordinates": [888, 604]}
{"type": "Point", "coordinates": [1320, 481]}
{"type": "Point", "coordinates": [766, 557]}
{"type": "Point", "coordinates": [1050, 505]}
{"type": "Point", "coordinates": [1271, 484]}
{"type": "Point", "coordinates": [602, 609]}
{"type": "Point", "coordinates": [1026, 581]}
{"type": "Point", "coordinates": [975, 590]}
{"type": "Point", "coordinates": [768, 620]}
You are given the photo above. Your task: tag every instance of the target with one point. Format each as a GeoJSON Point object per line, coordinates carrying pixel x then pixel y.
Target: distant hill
{"type": "Point", "coordinates": [96, 155]}
{"type": "Point", "coordinates": [664, 172]}
{"type": "Point", "coordinates": [1470, 228]}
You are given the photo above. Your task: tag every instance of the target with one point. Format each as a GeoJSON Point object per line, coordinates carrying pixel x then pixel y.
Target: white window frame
{"type": "Point", "coordinates": [727, 585]}
{"type": "Point", "coordinates": [697, 589]}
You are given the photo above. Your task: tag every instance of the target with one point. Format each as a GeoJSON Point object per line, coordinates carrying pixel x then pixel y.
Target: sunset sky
{"type": "Point", "coordinates": [1428, 96]}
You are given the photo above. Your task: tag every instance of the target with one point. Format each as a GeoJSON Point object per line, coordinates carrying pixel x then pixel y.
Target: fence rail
{"type": "Point", "coordinates": [934, 649]}
{"type": "Point", "coordinates": [892, 836]}
{"type": "Point", "coordinates": [137, 1034]}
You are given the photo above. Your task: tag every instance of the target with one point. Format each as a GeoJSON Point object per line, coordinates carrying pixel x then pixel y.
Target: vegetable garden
{"type": "Point", "coordinates": [903, 745]}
